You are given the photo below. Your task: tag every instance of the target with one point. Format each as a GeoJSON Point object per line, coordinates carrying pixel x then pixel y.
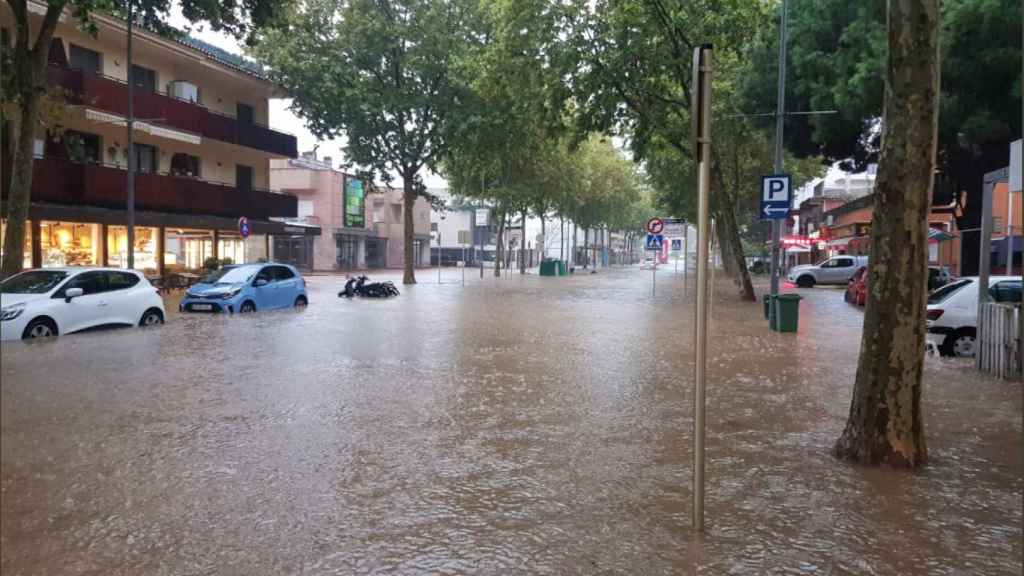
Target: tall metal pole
{"type": "Point", "coordinates": [702, 128]}
{"type": "Point", "coordinates": [780, 111]}
{"type": "Point", "coordinates": [130, 123]}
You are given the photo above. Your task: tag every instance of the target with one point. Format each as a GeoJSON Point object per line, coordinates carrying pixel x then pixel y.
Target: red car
{"type": "Point", "coordinates": [857, 287]}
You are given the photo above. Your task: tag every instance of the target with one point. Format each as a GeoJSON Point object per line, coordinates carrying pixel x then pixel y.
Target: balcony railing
{"type": "Point", "coordinates": [111, 95]}
{"type": "Point", "coordinates": [61, 181]}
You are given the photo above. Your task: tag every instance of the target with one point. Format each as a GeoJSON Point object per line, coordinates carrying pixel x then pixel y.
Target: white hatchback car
{"type": "Point", "coordinates": [953, 311]}
{"type": "Point", "coordinates": [52, 301]}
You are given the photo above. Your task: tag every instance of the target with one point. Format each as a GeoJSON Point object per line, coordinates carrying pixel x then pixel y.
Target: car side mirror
{"type": "Point", "coordinates": [72, 293]}
{"type": "Point", "coordinates": [260, 282]}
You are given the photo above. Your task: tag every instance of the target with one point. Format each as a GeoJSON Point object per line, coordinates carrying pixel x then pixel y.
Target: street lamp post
{"type": "Point", "coordinates": [130, 123]}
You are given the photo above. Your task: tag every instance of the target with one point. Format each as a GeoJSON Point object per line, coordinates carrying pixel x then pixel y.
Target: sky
{"type": "Point", "coordinates": [281, 118]}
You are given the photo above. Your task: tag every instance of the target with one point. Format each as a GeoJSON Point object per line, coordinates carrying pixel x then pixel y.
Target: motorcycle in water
{"type": "Point", "coordinates": [358, 287]}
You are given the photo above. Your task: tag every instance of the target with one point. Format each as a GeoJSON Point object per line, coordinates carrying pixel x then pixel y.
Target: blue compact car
{"type": "Point", "coordinates": [247, 288]}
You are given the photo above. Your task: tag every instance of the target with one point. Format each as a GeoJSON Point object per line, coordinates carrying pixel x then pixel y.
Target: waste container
{"type": "Point", "coordinates": [549, 268]}
{"type": "Point", "coordinates": [562, 271]}
{"type": "Point", "coordinates": [786, 315]}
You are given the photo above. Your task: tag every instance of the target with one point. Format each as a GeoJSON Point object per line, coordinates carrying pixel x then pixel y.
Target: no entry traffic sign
{"type": "Point", "coordinates": [655, 226]}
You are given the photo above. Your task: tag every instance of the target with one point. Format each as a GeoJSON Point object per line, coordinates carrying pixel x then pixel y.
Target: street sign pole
{"type": "Point", "coordinates": [701, 111]}
{"type": "Point", "coordinates": [779, 115]}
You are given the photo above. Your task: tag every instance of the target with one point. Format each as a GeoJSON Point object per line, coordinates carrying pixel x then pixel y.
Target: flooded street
{"type": "Point", "coordinates": [516, 426]}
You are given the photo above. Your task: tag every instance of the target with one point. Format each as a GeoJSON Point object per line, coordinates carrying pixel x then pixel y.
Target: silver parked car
{"type": "Point", "coordinates": [835, 270]}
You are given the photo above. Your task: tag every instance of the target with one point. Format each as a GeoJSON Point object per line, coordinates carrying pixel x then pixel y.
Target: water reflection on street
{"type": "Point", "coordinates": [523, 425]}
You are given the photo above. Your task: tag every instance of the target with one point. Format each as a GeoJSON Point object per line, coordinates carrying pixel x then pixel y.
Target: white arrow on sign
{"type": "Point", "coordinates": [768, 210]}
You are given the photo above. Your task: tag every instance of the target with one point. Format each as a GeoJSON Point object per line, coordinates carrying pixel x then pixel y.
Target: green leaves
{"type": "Point", "coordinates": [380, 73]}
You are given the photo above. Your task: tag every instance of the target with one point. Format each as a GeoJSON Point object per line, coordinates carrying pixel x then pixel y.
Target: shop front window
{"type": "Point", "coordinates": [27, 261]}
{"type": "Point", "coordinates": [231, 247]}
{"type": "Point", "coordinates": [69, 244]}
{"type": "Point", "coordinates": [145, 247]}
{"type": "Point", "coordinates": [187, 249]}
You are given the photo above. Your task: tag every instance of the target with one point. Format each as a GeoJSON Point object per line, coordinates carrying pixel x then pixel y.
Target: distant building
{"type": "Point", "coordinates": [361, 227]}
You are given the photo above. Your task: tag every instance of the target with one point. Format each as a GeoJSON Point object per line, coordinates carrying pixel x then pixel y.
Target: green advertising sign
{"type": "Point", "coordinates": [355, 203]}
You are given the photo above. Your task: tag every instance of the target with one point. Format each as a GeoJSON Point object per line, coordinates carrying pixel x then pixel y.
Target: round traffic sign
{"type": "Point", "coordinates": [655, 225]}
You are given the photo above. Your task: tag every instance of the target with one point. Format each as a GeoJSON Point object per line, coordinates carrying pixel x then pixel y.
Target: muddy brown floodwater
{"type": "Point", "coordinates": [522, 426]}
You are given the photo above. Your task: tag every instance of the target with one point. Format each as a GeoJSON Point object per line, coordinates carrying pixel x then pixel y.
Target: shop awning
{"type": "Point", "coordinates": [939, 235]}
{"type": "Point", "coordinates": [840, 242]}
{"type": "Point", "coordinates": [158, 131]}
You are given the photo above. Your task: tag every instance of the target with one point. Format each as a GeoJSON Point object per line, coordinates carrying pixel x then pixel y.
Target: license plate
{"type": "Point", "coordinates": [202, 306]}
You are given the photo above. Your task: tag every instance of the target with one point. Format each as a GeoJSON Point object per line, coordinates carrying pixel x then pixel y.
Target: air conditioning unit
{"type": "Point", "coordinates": [183, 90]}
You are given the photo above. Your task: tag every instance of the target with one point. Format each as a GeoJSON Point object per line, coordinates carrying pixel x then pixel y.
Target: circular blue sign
{"type": "Point", "coordinates": [243, 227]}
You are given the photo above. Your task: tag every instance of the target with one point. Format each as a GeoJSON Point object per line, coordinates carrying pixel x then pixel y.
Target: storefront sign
{"type": "Point", "coordinates": [355, 203]}
{"type": "Point", "coordinates": [243, 227]}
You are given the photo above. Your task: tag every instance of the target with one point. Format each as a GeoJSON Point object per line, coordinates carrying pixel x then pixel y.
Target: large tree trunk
{"type": "Point", "coordinates": [886, 424]}
{"type": "Point", "coordinates": [29, 79]}
{"type": "Point", "coordinates": [409, 228]}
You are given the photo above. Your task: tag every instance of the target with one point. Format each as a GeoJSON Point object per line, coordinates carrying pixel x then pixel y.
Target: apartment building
{"type": "Point", "coordinates": [361, 227]}
{"type": "Point", "coordinates": [201, 142]}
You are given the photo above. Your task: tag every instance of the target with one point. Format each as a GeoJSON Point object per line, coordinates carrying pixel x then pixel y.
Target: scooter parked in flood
{"type": "Point", "coordinates": [358, 287]}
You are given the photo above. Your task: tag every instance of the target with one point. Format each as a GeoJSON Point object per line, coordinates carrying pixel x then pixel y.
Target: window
{"type": "Point", "coordinates": [82, 147]}
{"type": "Point", "coordinates": [433, 226]}
{"type": "Point", "coordinates": [88, 61]}
{"type": "Point", "coordinates": [89, 282]}
{"type": "Point", "coordinates": [282, 273]}
{"type": "Point", "coordinates": [243, 178]}
{"type": "Point", "coordinates": [1006, 291]}
{"type": "Point", "coordinates": [267, 274]}
{"type": "Point", "coordinates": [144, 78]}
{"type": "Point", "coordinates": [145, 158]}
{"type": "Point", "coordinates": [185, 165]}
{"type": "Point", "coordinates": [844, 262]}
{"type": "Point", "coordinates": [121, 280]}
{"type": "Point", "coordinates": [946, 291]}
{"type": "Point", "coordinates": [245, 114]}
{"type": "Point", "coordinates": [32, 282]}
{"type": "Point", "coordinates": [305, 208]}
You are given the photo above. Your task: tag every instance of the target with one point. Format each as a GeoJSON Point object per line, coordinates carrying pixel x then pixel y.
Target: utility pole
{"type": "Point", "coordinates": [130, 123]}
{"type": "Point", "coordinates": [780, 111]}
{"type": "Point", "coordinates": [701, 112]}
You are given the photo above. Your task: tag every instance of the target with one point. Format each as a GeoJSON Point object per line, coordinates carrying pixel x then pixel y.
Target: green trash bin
{"type": "Point", "coordinates": [562, 270]}
{"type": "Point", "coordinates": [549, 268]}
{"type": "Point", "coordinates": [786, 315]}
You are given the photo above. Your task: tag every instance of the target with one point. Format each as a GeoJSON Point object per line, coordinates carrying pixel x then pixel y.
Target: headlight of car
{"type": "Point", "coordinates": [11, 312]}
{"type": "Point", "coordinates": [230, 294]}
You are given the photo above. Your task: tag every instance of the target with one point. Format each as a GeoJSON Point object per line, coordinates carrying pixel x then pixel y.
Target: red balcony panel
{"type": "Point", "coordinates": [60, 181]}
{"type": "Point", "coordinates": [111, 95]}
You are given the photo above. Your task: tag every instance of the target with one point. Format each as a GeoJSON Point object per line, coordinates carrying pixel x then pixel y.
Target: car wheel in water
{"type": "Point", "coordinates": [39, 328]}
{"type": "Point", "coordinates": [152, 317]}
{"type": "Point", "coordinates": [805, 282]}
{"type": "Point", "coordinates": [960, 343]}
{"type": "Point", "coordinates": [247, 307]}
{"type": "Point", "coordinates": [301, 302]}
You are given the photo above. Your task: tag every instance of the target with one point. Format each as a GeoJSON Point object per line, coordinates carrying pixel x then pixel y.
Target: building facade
{"type": "Point", "coordinates": [361, 227]}
{"type": "Point", "coordinates": [201, 143]}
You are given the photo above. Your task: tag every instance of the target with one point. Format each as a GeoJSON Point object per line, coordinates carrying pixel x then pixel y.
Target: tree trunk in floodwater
{"type": "Point", "coordinates": [729, 234]}
{"type": "Point", "coordinates": [522, 249]}
{"type": "Point", "coordinates": [408, 229]}
{"type": "Point", "coordinates": [499, 248]}
{"type": "Point", "coordinates": [886, 425]}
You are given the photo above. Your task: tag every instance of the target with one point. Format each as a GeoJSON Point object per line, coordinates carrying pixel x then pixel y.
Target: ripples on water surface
{"type": "Point", "coordinates": [529, 425]}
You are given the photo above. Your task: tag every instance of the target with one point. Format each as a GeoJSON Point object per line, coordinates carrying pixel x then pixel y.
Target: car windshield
{"type": "Point", "coordinates": [233, 275]}
{"type": "Point", "coordinates": [34, 282]}
{"type": "Point", "coordinates": [940, 294]}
